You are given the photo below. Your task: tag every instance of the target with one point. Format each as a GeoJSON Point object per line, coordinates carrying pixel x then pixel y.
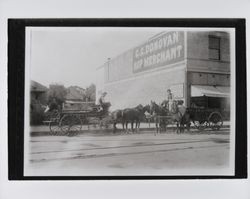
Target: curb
{"type": "Point", "coordinates": [118, 131]}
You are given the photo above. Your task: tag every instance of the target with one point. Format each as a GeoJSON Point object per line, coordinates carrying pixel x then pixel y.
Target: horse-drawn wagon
{"type": "Point", "coordinates": [203, 118]}
{"type": "Point", "coordinates": [200, 117]}
{"type": "Point", "coordinates": [73, 115]}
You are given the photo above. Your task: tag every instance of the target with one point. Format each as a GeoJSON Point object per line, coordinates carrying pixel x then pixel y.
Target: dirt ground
{"type": "Point", "coordinates": [141, 153]}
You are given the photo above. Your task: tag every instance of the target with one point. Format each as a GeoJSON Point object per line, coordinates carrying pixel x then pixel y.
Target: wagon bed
{"type": "Point", "coordinates": [203, 118]}
{"type": "Point", "coordinates": [73, 116]}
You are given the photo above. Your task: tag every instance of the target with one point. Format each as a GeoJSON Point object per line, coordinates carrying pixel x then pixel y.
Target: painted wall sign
{"type": "Point", "coordinates": [167, 48]}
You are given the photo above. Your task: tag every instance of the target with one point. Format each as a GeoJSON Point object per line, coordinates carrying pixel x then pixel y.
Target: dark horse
{"type": "Point", "coordinates": [117, 117]}
{"type": "Point", "coordinates": [159, 114]}
{"type": "Point", "coordinates": [181, 119]}
{"type": "Point", "coordinates": [129, 115]}
{"type": "Point", "coordinates": [133, 116]}
{"type": "Point", "coordinates": [164, 116]}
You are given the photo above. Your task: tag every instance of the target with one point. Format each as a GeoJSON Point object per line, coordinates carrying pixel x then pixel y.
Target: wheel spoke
{"type": "Point", "coordinates": [70, 124]}
{"type": "Point", "coordinates": [54, 128]}
{"type": "Point", "coordinates": [215, 121]}
{"type": "Point", "coordinates": [200, 125]}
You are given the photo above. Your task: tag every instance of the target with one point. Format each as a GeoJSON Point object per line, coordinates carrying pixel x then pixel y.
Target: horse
{"type": "Point", "coordinates": [158, 113]}
{"type": "Point", "coordinates": [117, 117]}
{"type": "Point", "coordinates": [147, 115]}
{"type": "Point", "coordinates": [178, 117]}
{"type": "Point", "coordinates": [165, 104]}
{"type": "Point", "coordinates": [127, 115]}
{"type": "Point", "coordinates": [133, 115]}
{"type": "Point", "coordinates": [141, 114]}
{"type": "Point", "coordinates": [164, 114]}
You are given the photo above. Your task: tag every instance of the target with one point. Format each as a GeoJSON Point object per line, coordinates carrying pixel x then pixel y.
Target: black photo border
{"type": "Point", "coordinates": [16, 86]}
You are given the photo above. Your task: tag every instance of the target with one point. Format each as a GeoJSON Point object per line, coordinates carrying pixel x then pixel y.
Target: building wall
{"type": "Point", "coordinates": [198, 78]}
{"type": "Point", "coordinates": [120, 67]}
{"type": "Point", "coordinates": [143, 89]}
{"type": "Point", "coordinates": [201, 69]}
{"type": "Point", "coordinates": [198, 52]}
{"type": "Point", "coordinates": [128, 88]}
{"type": "Point", "coordinates": [113, 70]}
{"type": "Point", "coordinates": [159, 52]}
{"type": "Point", "coordinates": [145, 72]}
{"type": "Point", "coordinates": [205, 79]}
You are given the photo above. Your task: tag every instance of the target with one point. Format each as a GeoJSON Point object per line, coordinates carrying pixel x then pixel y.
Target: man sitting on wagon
{"type": "Point", "coordinates": [53, 105]}
{"type": "Point", "coordinates": [181, 108]}
{"type": "Point", "coordinates": [51, 109]}
{"type": "Point", "coordinates": [169, 98]}
{"type": "Point", "coordinates": [167, 104]}
{"type": "Point", "coordinates": [104, 105]}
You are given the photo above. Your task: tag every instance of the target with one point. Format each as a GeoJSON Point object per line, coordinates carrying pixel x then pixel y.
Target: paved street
{"type": "Point", "coordinates": [142, 153]}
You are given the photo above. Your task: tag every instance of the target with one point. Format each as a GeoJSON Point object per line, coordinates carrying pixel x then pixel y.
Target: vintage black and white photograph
{"type": "Point", "coordinates": [129, 101]}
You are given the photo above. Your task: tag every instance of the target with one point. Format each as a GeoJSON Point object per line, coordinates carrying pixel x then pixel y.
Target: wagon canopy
{"type": "Point", "coordinates": [210, 91]}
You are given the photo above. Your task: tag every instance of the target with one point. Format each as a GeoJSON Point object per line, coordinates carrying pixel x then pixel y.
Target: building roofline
{"type": "Point", "coordinates": [37, 87]}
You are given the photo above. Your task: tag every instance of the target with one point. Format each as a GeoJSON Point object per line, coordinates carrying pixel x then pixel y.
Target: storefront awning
{"type": "Point", "coordinates": [210, 91]}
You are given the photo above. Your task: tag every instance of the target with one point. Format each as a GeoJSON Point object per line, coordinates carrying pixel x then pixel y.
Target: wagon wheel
{"type": "Point", "coordinates": [54, 128]}
{"type": "Point", "coordinates": [54, 123]}
{"type": "Point", "coordinates": [215, 121]}
{"type": "Point", "coordinates": [201, 125]}
{"type": "Point", "coordinates": [70, 124]}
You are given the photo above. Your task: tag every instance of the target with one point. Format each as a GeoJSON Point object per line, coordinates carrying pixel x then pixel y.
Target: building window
{"type": "Point", "coordinates": [214, 48]}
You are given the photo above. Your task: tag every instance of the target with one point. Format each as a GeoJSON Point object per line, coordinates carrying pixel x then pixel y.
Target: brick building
{"type": "Point", "coordinates": [194, 65]}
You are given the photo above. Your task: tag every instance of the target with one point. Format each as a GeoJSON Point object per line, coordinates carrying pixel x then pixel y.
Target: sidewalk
{"type": "Point", "coordinates": [44, 130]}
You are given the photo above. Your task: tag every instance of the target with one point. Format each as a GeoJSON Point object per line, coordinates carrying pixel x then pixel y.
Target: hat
{"type": "Point", "coordinates": [168, 90]}
{"type": "Point", "coordinates": [104, 93]}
